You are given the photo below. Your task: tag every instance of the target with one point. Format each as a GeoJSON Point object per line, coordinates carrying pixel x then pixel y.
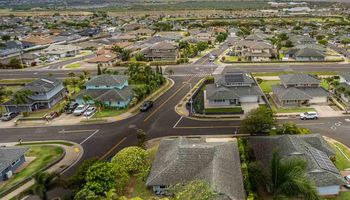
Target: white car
{"type": "Point", "coordinates": [90, 111]}
{"type": "Point", "coordinates": [309, 115]}
{"type": "Point", "coordinates": [347, 179]}
{"type": "Point", "coordinates": [80, 110]}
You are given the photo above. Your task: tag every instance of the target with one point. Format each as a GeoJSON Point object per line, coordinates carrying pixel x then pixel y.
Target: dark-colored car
{"type": "Point", "coordinates": [146, 106]}
{"type": "Point", "coordinates": [71, 107]}
{"type": "Point", "coordinates": [52, 115]}
{"type": "Point", "coordinates": [8, 116]}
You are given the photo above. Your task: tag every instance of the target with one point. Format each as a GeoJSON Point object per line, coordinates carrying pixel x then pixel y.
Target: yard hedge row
{"type": "Point", "coordinates": [232, 110]}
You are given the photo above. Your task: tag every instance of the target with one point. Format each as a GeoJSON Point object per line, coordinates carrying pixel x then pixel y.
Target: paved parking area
{"type": "Point", "coordinates": [327, 111]}
{"type": "Point", "coordinates": [247, 107]}
{"type": "Point", "coordinates": [67, 119]}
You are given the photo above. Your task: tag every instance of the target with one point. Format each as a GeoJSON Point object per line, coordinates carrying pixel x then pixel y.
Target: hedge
{"type": "Point", "coordinates": [232, 110]}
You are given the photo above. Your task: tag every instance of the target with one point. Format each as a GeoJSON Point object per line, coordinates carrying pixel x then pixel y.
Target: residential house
{"type": "Point", "coordinates": [312, 148]}
{"type": "Point", "coordinates": [254, 50]}
{"type": "Point", "coordinates": [7, 54]}
{"type": "Point", "coordinates": [46, 92]}
{"type": "Point", "coordinates": [299, 90]}
{"type": "Point", "coordinates": [11, 158]}
{"type": "Point", "coordinates": [112, 90]}
{"type": "Point", "coordinates": [104, 58]}
{"type": "Point", "coordinates": [344, 83]}
{"type": "Point", "coordinates": [62, 51]}
{"type": "Point", "coordinates": [182, 159]}
{"type": "Point", "coordinates": [164, 50]}
{"type": "Point", "coordinates": [232, 89]}
{"type": "Point", "coordinates": [206, 36]}
{"type": "Point", "coordinates": [309, 52]}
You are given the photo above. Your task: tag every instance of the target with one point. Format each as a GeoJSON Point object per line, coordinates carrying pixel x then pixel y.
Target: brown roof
{"type": "Point", "coordinates": [104, 58]}
{"type": "Point", "coordinates": [39, 40]}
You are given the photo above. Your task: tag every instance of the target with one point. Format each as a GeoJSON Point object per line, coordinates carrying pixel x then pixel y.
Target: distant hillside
{"type": "Point", "coordinates": [108, 3]}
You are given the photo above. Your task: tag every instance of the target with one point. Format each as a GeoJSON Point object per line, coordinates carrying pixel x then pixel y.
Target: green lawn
{"type": "Point", "coordinates": [44, 155]}
{"type": "Point", "coordinates": [292, 110]}
{"type": "Point", "coordinates": [342, 196]}
{"type": "Point", "coordinates": [231, 59]}
{"type": "Point", "coordinates": [53, 142]}
{"type": "Point", "coordinates": [15, 81]}
{"type": "Point", "coordinates": [73, 65]}
{"type": "Point", "coordinates": [109, 112]}
{"type": "Point", "coordinates": [266, 85]}
{"type": "Point", "coordinates": [223, 110]}
{"type": "Point", "coordinates": [341, 162]}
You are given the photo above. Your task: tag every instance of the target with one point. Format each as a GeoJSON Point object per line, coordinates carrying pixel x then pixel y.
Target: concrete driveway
{"type": "Point", "coordinates": [327, 111]}
{"type": "Point", "coordinates": [247, 107]}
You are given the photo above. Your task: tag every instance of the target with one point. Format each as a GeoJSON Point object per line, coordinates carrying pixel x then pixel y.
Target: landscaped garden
{"type": "Point", "coordinates": [342, 156]}
{"type": "Point", "coordinates": [43, 156]}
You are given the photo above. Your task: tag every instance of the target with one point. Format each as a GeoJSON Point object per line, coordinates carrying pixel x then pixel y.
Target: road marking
{"type": "Point", "coordinates": [309, 124]}
{"type": "Point", "coordinates": [76, 131]}
{"type": "Point", "coordinates": [178, 122]}
{"type": "Point", "coordinates": [208, 127]}
{"type": "Point", "coordinates": [89, 137]}
{"type": "Point", "coordinates": [112, 149]}
{"type": "Point", "coordinates": [166, 101]}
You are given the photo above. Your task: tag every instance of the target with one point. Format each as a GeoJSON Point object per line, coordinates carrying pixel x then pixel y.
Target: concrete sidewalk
{"type": "Point", "coordinates": [72, 155]}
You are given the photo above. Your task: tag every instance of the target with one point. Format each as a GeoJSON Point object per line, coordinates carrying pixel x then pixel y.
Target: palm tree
{"type": "Point", "coordinates": [287, 178]}
{"type": "Point", "coordinates": [111, 194]}
{"type": "Point", "coordinates": [44, 182]}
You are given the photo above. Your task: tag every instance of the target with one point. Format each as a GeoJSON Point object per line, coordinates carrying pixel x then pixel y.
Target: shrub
{"type": "Point", "coordinates": [133, 160]}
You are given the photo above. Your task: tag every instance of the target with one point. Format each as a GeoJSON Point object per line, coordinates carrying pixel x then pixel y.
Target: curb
{"type": "Point", "coordinates": [105, 120]}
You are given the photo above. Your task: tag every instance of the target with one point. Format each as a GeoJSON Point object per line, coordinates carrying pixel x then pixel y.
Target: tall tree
{"type": "Point", "coordinates": [20, 97]}
{"type": "Point", "coordinates": [259, 120]}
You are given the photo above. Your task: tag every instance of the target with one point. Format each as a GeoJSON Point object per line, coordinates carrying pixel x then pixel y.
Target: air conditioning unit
{"type": "Point", "coordinates": [9, 174]}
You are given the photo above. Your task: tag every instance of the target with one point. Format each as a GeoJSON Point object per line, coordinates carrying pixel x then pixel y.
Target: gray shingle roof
{"type": "Point", "coordinates": [10, 154]}
{"type": "Point", "coordinates": [108, 94]}
{"type": "Point", "coordinates": [43, 84]}
{"type": "Point", "coordinates": [290, 146]}
{"type": "Point", "coordinates": [223, 92]}
{"type": "Point", "coordinates": [182, 159]}
{"type": "Point", "coordinates": [309, 52]}
{"type": "Point", "coordinates": [298, 93]}
{"type": "Point", "coordinates": [345, 75]}
{"type": "Point", "coordinates": [233, 77]}
{"type": "Point", "coordinates": [299, 79]}
{"type": "Point", "coordinates": [107, 79]}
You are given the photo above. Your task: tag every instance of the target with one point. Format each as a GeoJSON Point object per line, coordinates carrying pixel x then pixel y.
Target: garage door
{"type": "Point", "coordinates": [318, 100]}
{"type": "Point", "coordinates": [248, 99]}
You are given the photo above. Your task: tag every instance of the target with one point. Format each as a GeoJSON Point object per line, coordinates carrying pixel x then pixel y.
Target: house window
{"type": "Point", "coordinates": [15, 162]}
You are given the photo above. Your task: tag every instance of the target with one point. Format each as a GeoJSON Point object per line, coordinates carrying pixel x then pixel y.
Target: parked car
{"type": "Point", "coordinates": [347, 179]}
{"type": "Point", "coordinates": [146, 106]}
{"type": "Point", "coordinates": [8, 116]}
{"type": "Point", "coordinates": [71, 107]}
{"type": "Point", "coordinates": [90, 111]}
{"type": "Point", "coordinates": [309, 115]}
{"type": "Point", "coordinates": [80, 110]}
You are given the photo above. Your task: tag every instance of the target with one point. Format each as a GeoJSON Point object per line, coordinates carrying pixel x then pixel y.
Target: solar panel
{"type": "Point", "coordinates": [234, 78]}
{"type": "Point", "coordinates": [323, 160]}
